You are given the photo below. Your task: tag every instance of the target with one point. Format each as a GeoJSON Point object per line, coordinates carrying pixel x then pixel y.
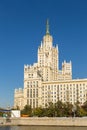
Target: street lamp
{"type": "Point", "coordinates": [74, 109]}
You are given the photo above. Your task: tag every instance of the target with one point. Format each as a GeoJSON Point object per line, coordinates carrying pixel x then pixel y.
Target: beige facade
{"type": "Point", "coordinates": [19, 98]}
{"type": "Point", "coordinates": [65, 91]}
{"type": "Point", "coordinates": [44, 82]}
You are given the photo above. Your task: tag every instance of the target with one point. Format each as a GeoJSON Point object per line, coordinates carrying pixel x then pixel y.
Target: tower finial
{"type": "Point", "coordinates": [47, 27]}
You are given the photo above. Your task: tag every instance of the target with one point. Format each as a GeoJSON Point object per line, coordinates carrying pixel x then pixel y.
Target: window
{"type": "Point", "coordinates": [31, 93]}
{"type": "Point", "coordinates": [27, 92]}
{"type": "Point", "coordinates": [28, 86]}
{"type": "Point", "coordinates": [36, 92]}
{"type": "Point", "coordinates": [31, 102]}
{"type": "Point", "coordinates": [27, 101]}
{"type": "Point", "coordinates": [48, 87]}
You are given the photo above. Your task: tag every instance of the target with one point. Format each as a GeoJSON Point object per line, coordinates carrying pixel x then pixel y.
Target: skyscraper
{"type": "Point", "coordinates": [44, 82]}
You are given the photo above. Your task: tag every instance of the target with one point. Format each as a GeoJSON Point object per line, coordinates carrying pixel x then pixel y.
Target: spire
{"type": "Point", "coordinates": [47, 27]}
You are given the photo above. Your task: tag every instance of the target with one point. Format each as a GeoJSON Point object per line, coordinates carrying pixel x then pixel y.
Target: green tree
{"type": "Point", "coordinates": [68, 109]}
{"type": "Point", "coordinates": [38, 112]}
{"type": "Point", "coordinates": [51, 110]}
{"type": "Point", "coordinates": [59, 109]}
{"type": "Point", "coordinates": [27, 110]}
{"type": "Point", "coordinates": [85, 106]}
{"type": "Point", "coordinates": [1, 114]}
{"type": "Point", "coordinates": [80, 111]}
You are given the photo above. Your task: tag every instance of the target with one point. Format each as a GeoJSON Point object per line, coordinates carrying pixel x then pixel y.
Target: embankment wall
{"type": "Point", "coordinates": [45, 121]}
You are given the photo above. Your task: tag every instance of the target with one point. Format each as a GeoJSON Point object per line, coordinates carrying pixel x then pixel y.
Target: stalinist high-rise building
{"type": "Point", "coordinates": [44, 82]}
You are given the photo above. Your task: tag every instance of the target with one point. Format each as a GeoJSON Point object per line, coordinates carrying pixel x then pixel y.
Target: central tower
{"type": "Point", "coordinates": [48, 57]}
{"type": "Point", "coordinates": [43, 80]}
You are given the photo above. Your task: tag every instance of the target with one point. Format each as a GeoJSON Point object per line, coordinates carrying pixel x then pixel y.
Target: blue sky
{"type": "Point", "coordinates": [22, 27]}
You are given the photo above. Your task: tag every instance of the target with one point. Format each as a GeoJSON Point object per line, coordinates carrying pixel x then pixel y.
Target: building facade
{"type": "Point", "coordinates": [44, 82]}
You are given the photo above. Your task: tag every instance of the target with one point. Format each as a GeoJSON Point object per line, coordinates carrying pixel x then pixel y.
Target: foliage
{"type": "Point", "coordinates": [58, 109]}
{"type": "Point", "coordinates": [85, 106]}
{"type": "Point", "coordinates": [1, 114]}
{"type": "Point", "coordinates": [27, 110]}
{"type": "Point", "coordinates": [38, 112]}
